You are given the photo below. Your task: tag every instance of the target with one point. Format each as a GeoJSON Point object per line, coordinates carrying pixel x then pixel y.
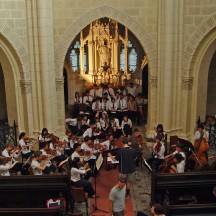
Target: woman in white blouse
{"type": "Point", "coordinates": [77, 180]}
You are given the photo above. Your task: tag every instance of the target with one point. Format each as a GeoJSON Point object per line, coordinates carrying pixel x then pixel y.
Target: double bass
{"type": "Point", "coordinates": [201, 148]}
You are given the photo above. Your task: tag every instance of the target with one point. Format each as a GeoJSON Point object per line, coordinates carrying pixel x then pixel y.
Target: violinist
{"type": "Point", "coordinates": [106, 145]}
{"type": "Point", "coordinates": [36, 166]}
{"type": "Point", "coordinates": [13, 154]}
{"type": "Point", "coordinates": [180, 161]}
{"type": "Point", "coordinates": [160, 132]}
{"type": "Point", "coordinates": [157, 153]}
{"type": "Point", "coordinates": [89, 131]}
{"type": "Point", "coordinates": [25, 148]}
{"type": "Point", "coordinates": [76, 153]}
{"type": "Point", "coordinates": [4, 166]}
{"type": "Point", "coordinates": [48, 154]}
{"type": "Point", "coordinates": [68, 138]}
{"type": "Point", "coordinates": [77, 181]}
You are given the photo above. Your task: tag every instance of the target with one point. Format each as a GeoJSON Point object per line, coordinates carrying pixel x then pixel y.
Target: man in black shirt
{"type": "Point", "coordinates": [126, 157]}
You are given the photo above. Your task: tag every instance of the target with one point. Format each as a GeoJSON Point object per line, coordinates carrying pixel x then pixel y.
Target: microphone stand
{"type": "Point", "coordinates": [95, 207]}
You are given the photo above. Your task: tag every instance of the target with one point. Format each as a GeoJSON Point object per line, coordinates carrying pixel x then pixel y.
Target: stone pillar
{"type": "Point", "coordinates": [126, 52]}
{"type": "Point", "coordinates": [26, 91]}
{"type": "Point", "coordinates": [116, 51]}
{"type": "Point", "coordinates": [60, 105]}
{"type": "Point", "coordinates": [91, 53]}
{"type": "Point", "coordinates": [169, 46]}
{"type": "Point", "coordinates": [47, 71]}
{"type": "Point", "coordinates": [81, 54]}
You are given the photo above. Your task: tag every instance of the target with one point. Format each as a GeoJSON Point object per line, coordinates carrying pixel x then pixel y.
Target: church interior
{"type": "Point", "coordinates": [108, 107]}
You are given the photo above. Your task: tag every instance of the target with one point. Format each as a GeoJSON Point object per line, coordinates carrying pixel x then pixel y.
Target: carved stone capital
{"type": "Point", "coordinates": [187, 82]}
{"type": "Point", "coordinates": [60, 84]}
{"type": "Point", "coordinates": [153, 81]}
{"type": "Point", "coordinates": [26, 86]}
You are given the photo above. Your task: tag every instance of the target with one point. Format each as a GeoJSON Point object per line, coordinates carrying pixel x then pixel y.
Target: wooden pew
{"type": "Point", "coordinates": [176, 191]}
{"type": "Point", "coordinates": [29, 212]}
{"type": "Point", "coordinates": [33, 191]}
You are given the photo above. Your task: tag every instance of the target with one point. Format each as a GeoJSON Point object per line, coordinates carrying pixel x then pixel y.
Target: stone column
{"type": "Point", "coordinates": [116, 50]}
{"type": "Point", "coordinates": [126, 52]}
{"type": "Point", "coordinates": [169, 59]}
{"type": "Point", "coordinates": [26, 91]}
{"type": "Point", "coordinates": [81, 54]}
{"type": "Point", "coordinates": [60, 105]}
{"type": "Point", "coordinates": [47, 71]}
{"type": "Point", "coordinates": [91, 53]}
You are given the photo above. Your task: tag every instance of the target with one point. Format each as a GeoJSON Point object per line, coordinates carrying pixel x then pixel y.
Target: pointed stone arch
{"type": "Point", "coordinates": [193, 45]}
{"type": "Point", "coordinates": [17, 46]}
{"type": "Point", "coordinates": [197, 57]}
{"type": "Point", "coordinates": [70, 33]}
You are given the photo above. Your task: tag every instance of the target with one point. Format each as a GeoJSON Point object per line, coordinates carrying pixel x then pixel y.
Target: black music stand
{"type": "Point", "coordinates": [95, 171]}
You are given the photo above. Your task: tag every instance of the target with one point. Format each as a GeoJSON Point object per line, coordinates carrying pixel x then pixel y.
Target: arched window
{"type": "Point", "coordinates": [122, 58]}
{"type": "Point", "coordinates": [132, 60]}
{"type": "Point", "coordinates": [74, 56]}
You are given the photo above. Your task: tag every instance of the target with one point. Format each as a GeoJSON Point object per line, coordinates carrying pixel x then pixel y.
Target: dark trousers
{"type": "Point", "coordinates": [127, 130]}
{"type": "Point", "coordinates": [86, 186]}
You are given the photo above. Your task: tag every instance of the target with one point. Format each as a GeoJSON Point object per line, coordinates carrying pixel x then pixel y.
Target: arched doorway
{"type": "Point", "coordinates": [105, 52]}
{"type": "Point", "coordinates": [3, 103]}
{"type": "Point", "coordinates": [211, 96]}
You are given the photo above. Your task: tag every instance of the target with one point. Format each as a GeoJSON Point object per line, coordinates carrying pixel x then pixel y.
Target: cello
{"type": "Point", "coordinates": [201, 148]}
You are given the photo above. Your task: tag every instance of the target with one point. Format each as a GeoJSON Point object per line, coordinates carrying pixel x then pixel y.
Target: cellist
{"type": "Point", "coordinates": [201, 146]}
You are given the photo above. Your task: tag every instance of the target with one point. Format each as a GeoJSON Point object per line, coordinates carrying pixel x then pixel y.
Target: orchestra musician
{"type": "Point", "coordinates": [48, 154]}
{"type": "Point", "coordinates": [76, 180]}
{"type": "Point", "coordinates": [126, 126]}
{"type": "Point", "coordinates": [201, 146]}
{"type": "Point", "coordinates": [25, 147]}
{"type": "Point", "coordinates": [160, 132]}
{"type": "Point", "coordinates": [12, 154]}
{"type": "Point", "coordinates": [178, 158]}
{"type": "Point", "coordinates": [157, 153]}
{"type": "Point", "coordinates": [115, 127]}
{"type": "Point", "coordinates": [68, 139]}
{"type": "Point", "coordinates": [36, 165]}
{"type": "Point", "coordinates": [4, 166]}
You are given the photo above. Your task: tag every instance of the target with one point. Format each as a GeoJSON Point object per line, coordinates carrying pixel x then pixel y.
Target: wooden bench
{"type": "Point", "coordinates": [185, 193]}
{"type": "Point", "coordinates": [33, 191]}
{"type": "Point", "coordinates": [29, 212]}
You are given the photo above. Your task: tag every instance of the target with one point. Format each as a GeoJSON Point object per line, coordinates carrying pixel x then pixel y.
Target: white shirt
{"type": "Point", "coordinates": [6, 154]}
{"type": "Point", "coordinates": [131, 90]}
{"type": "Point", "coordinates": [93, 93]}
{"type": "Point", "coordinates": [106, 143]}
{"type": "Point", "coordinates": [180, 167]}
{"type": "Point", "coordinates": [75, 174]}
{"type": "Point", "coordinates": [115, 124]}
{"type": "Point", "coordinates": [87, 99]}
{"type": "Point", "coordinates": [112, 106]}
{"type": "Point", "coordinates": [96, 106]}
{"type": "Point", "coordinates": [4, 170]}
{"type": "Point", "coordinates": [197, 135]}
{"type": "Point", "coordinates": [74, 155]}
{"type": "Point", "coordinates": [128, 122]}
{"type": "Point", "coordinates": [70, 141]}
{"type": "Point", "coordinates": [160, 154]}
{"type": "Point", "coordinates": [88, 132]}
{"type": "Point", "coordinates": [25, 149]}
{"type": "Point", "coordinates": [123, 104]}
{"type": "Point", "coordinates": [35, 164]}
{"type": "Point", "coordinates": [105, 105]}
{"type": "Point", "coordinates": [71, 121]}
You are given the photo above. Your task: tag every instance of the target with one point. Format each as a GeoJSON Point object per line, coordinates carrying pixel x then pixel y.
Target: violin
{"type": "Point", "coordinates": [157, 148]}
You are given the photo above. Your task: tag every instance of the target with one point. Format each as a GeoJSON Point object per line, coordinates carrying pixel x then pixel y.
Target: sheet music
{"type": "Point", "coordinates": [109, 159]}
{"type": "Point", "coordinates": [99, 161]}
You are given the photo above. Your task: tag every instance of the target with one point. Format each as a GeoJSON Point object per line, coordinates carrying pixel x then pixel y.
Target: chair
{"type": "Point", "coordinates": [173, 142]}
{"type": "Point", "coordinates": [79, 196]}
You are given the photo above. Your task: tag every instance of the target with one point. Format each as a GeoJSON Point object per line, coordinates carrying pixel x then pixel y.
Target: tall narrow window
{"type": "Point", "coordinates": [122, 58]}
{"type": "Point", "coordinates": [74, 56]}
{"type": "Point", "coordinates": [132, 60]}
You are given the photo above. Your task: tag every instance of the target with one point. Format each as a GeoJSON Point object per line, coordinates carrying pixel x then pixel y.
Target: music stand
{"type": "Point", "coordinates": [97, 167]}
